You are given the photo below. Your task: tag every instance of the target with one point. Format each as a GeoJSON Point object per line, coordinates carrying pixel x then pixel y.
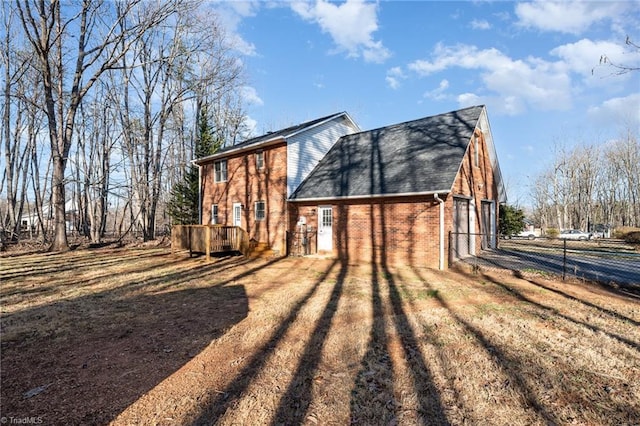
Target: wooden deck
{"type": "Point", "coordinates": [210, 239]}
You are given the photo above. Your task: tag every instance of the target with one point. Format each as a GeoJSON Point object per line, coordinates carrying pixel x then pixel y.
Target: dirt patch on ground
{"type": "Point", "coordinates": [138, 336]}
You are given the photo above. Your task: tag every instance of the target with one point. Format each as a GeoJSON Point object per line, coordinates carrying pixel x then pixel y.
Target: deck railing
{"type": "Point", "coordinates": [209, 239]}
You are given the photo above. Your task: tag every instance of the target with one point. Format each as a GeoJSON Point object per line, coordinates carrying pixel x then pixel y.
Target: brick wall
{"type": "Point", "coordinates": [394, 230]}
{"type": "Point", "coordinates": [400, 230]}
{"type": "Point", "coordinates": [246, 184]}
{"type": "Point", "coordinates": [404, 230]}
{"type": "Point", "coordinates": [475, 180]}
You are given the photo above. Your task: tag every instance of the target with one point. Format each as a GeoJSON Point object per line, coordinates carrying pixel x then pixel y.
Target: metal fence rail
{"type": "Point", "coordinates": [605, 261]}
{"type": "Point", "coordinates": [301, 242]}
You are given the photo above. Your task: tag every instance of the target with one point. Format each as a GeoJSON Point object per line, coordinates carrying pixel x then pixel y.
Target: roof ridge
{"type": "Point", "coordinates": [274, 136]}
{"type": "Point", "coordinates": [294, 126]}
{"type": "Point", "coordinates": [396, 125]}
{"type": "Point", "coordinates": [391, 160]}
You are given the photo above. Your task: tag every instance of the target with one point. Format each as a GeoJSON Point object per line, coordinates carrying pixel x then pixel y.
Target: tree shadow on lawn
{"type": "Point", "coordinates": [584, 302]}
{"type": "Point", "coordinates": [220, 402]}
{"type": "Point", "coordinates": [553, 311]}
{"type": "Point", "coordinates": [372, 398]}
{"type": "Point", "coordinates": [83, 361]}
{"type": "Point", "coordinates": [508, 365]}
{"type": "Point", "coordinates": [56, 263]}
{"type": "Point", "coordinates": [622, 410]}
{"type": "Point", "coordinates": [430, 407]}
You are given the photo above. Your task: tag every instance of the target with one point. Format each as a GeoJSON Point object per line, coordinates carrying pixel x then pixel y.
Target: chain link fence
{"type": "Point", "coordinates": [301, 242]}
{"type": "Point", "coordinates": [606, 261]}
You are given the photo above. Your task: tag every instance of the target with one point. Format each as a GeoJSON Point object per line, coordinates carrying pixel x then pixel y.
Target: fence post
{"type": "Point", "coordinates": [208, 242]}
{"type": "Point", "coordinates": [450, 251]}
{"type": "Point", "coordinates": [564, 261]}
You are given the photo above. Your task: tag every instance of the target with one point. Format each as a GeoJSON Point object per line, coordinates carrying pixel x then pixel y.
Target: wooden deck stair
{"type": "Point", "coordinates": [209, 239]}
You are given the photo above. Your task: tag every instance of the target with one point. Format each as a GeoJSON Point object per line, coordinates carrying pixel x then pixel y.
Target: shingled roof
{"type": "Point", "coordinates": [415, 157]}
{"type": "Point", "coordinates": [268, 137]}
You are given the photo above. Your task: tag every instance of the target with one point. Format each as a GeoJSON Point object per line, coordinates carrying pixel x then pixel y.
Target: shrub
{"type": "Point", "coordinates": [552, 233]}
{"type": "Point", "coordinates": [632, 237]}
{"type": "Point", "coordinates": [621, 232]}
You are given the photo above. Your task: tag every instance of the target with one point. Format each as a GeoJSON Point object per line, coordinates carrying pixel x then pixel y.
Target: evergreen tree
{"type": "Point", "coordinates": [511, 220]}
{"type": "Point", "coordinates": [184, 201]}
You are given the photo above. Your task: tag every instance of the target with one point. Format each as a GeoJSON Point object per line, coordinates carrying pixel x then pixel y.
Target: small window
{"type": "Point", "coordinates": [260, 213]}
{"type": "Point", "coordinates": [476, 154]}
{"type": "Point", "coordinates": [214, 214]}
{"type": "Point", "coordinates": [326, 218]}
{"type": "Point", "coordinates": [220, 171]}
{"type": "Point", "coordinates": [259, 159]}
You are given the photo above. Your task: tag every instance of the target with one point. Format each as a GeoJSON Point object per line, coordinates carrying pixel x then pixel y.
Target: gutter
{"type": "Point", "coordinates": [240, 149]}
{"type": "Point", "coordinates": [441, 254]}
{"type": "Point", "coordinates": [365, 197]}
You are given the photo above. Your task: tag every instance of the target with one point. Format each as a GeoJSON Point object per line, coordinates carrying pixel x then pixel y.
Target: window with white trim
{"type": "Point", "coordinates": [260, 210]}
{"type": "Point", "coordinates": [214, 214]}
{"type": "Point", "coordinates": [220, 171]}
{"type": "Point", "coordinates": [259, 159]}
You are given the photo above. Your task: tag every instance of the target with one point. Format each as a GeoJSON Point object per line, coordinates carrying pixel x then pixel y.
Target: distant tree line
{"type": "Point", "coordinates": [589, 185]}
{"type": "Point", "coordinates": [100, 105]}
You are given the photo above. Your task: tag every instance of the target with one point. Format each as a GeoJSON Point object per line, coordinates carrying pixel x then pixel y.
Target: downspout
{"type": "Point", "coordinates": [200, 194]}
{"type": "Point", "coordinates": [441, 202]}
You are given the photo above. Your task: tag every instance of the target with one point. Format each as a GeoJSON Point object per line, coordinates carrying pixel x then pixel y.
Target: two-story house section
{"type": "Point", "coordinates": [248, 184]}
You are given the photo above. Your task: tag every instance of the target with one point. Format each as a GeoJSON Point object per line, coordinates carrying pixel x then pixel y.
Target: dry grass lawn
{"type": "Point", "coordinates": [138, 336]}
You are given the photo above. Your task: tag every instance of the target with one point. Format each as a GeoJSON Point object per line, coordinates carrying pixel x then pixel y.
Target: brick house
{"type": "Point", "coordinates": [411, 193]}
{"type": "Point", "coordinates": [248, 184]}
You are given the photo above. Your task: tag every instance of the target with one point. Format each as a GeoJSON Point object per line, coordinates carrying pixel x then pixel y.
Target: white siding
{"type": "Point", "coordinates": [307, 148]}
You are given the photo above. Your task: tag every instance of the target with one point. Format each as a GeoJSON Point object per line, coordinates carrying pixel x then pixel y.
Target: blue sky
{"type": "Point", "coordinates": [535, 65]}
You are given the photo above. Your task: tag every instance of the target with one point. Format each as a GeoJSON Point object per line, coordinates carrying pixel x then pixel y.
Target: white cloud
{"type": "Point", "coordinates": [250, 96]}
{"type": "Point", "coordinates": [625, 111]}
{"type": "Point", "coordinates": [251, 125]}
{"type": "Point", "coordinates": [480, 24]}
{"type": "Point", "coordinates": [438, 93]}
{"type": "Point", "coordinates": [394, 75]}
{"type": "Point", "coordinates": [513, 84]}
{"type": "Point", "coordinates": [318, 81]}
{"type": "Point", "coordinates": [351, 26]}
{"type": "Point", "coordinates": [231, 15]}
{"type": "Point", "coordinates": [573, 17]}
{"type": "Point", "coordinates": [469, 99]}
{"type": "Point", "coordinates": [583, 57]}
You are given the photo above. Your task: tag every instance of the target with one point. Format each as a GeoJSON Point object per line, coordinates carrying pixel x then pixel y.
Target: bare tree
{"type": "Point", "coordinates": [166, 72]}
{"type": "Point", "coordinates": [625, 157]}
{"type": "Point", "coordinates": [16, 149]}
{"type": "Point", "coordinates": [621, 68]}
{"type": "Point", "coordinates": [91, 36]}
{"type": "Point", "coordinates": [96, 141]}
{"type": "Point", "coordinates": [591, 184]}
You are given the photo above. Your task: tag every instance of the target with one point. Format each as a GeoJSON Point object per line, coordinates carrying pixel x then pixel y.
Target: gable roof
{"type": "Point", "coordinates": [271, 137]}
{"type": "Point", "coordinates": [415, 157]}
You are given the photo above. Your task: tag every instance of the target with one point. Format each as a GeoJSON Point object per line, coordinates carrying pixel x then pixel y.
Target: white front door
{"type": "Point", "coordinates": [237, 214]}
{"type": "Point", "coordinates": [325, 229]}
